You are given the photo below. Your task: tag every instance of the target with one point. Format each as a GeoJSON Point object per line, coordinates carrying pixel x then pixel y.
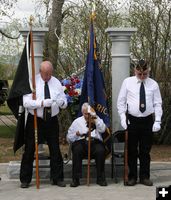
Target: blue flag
{"type": "Point", "coordinates": [93, 89]}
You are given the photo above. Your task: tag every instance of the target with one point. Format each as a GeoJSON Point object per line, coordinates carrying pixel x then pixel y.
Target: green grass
{"type": "Point", "coordinates": [7, 131]}
{"type": "Point", "coordinates": [4, 110]}
{"type": "Point", "coordinates": [10, 83]}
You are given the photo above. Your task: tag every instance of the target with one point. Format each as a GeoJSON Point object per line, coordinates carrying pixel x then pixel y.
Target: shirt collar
{"type": "Point", "coordinates": [140, 81]}
{"type": "Point", "coordinates": [43, 82]}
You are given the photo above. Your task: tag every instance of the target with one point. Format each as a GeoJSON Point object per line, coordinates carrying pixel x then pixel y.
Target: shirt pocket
{"type": "Point", "coordinates": [39, 94]}
{"type": "Point", "coordinates": [149, 93]}
{"type": "Point", "coordinates": [55, 94]}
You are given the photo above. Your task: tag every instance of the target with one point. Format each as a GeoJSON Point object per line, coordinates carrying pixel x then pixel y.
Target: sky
{"type": "Point", "coordinates": [24, 8]}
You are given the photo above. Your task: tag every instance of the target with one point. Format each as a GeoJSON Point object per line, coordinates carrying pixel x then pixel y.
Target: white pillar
{"type": "Point", "coordinates": [38, 40]}
{"type": "Point", "coordinates": [120, 38]}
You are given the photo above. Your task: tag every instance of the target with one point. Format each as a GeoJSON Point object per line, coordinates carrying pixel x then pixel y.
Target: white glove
{"type": "Point", "coordinates": [47, 102]}
{"type": "Point", "coordinates": [156, 126]}
{"type": "Point", "coordinates": [92, 112]}
{"type": "Point", "coordinates": [123, 121]}
{"type": "Point", "coordinates": [60, 102]}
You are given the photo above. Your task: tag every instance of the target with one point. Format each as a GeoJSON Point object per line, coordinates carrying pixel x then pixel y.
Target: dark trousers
{"type": "Point", "coordinates": [48, 131]}
{"type": "Point", "coordinates": [80, 151]}
{"type": "Point", "coordinates": [140, 137]}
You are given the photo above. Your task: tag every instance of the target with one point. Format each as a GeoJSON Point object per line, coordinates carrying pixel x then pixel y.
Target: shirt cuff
{"type": "Point", "coordinates": [157, 119]}
{"type": "Point", "coordinates": [38, 103]}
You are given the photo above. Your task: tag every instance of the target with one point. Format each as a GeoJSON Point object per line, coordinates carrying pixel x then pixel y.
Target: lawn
{"type": "Point", "coordinates": [6, 145]}
{"type": "Point", "coordinates": [6, 151]}
{"type": "Point", "coordinates": [4, 110]}
{"type": "Point", "coordinates": [158, 153]}
{"type": "Point", "coordinates": [7, 131]}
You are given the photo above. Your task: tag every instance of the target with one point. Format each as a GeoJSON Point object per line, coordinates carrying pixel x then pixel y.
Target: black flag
{"type": "Point", "coordinates": [21, 86]}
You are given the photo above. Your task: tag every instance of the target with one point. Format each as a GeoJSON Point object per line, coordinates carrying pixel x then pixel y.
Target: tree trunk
{"type": "Point", "coordinates": [55, 22]}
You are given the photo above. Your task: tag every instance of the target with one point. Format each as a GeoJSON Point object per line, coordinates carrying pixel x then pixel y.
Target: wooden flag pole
{"type": "Point", "coordinates": [126, 152]}
{"type": "Point", "coordinates": [126, 159]}
{"type": "Point", "coordinates": [34, 98]}
{"type": "Point", "coordinates": [92, 16]}
{"type": "Point", "coordinates": [89, 149]}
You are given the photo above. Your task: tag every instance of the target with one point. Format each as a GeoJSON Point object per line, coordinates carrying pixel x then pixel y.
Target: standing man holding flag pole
{"type": "Point", "coordinates": [49, 98]}
{"type": "Point", "coordinates": [15, 98]}
{"type": "Point", "coordinates": [24, 83]}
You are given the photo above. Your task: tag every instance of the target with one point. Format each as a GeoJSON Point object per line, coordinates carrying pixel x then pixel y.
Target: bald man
{"type": "Point", "coordinates": [50, 98]}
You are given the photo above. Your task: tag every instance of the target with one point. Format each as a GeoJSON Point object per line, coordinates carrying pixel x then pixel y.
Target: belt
{"type": "Point", "coordinates": [32, 115]}
{"type": "Point", "coordinates": [91, 138]}
{"type": "Point", "coordinates": [140, 118]}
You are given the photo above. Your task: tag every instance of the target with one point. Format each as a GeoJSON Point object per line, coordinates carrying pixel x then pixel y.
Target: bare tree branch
{"type": "Point", "coordinates": [8, 36]}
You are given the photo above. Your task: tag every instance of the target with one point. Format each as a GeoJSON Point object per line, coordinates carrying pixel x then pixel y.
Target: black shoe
{"type": "Point", "coordinates": [102, 182]}
{"type": "Point", "coordinates": [146, 182]}
{"type": "Point", "coordinates": [132, 182]}
{"type": "Point", "coordinates": [58, 183]}
{"type": "Point", "coordinates": [24, 185]}
{"type": "Point", "coordinates": [75, 183]}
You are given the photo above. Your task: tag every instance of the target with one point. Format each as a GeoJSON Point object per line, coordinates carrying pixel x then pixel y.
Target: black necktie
{"type": "Point", "coordinates": [47, 110]}
{"type": "Point", "coordinates": [142, 106]}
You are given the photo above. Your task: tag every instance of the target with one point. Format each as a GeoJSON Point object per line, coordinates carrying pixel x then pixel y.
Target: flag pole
{"type": "Point", "coordinates": [126, 152]}
{"type": "Point", "coordinates": [89, 149]}
{"type": "Point", "coordinates": [126, 159]}
{"type": "Point", "coordinates": [34, 98]}
{"type": "Point", "coordinates": [92, 17]}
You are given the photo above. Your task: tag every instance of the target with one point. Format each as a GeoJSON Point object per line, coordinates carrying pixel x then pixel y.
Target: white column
{"type": "Point", "coordinates": [38, 40]}
{"type": "Point", "coordinates": [120, 38]}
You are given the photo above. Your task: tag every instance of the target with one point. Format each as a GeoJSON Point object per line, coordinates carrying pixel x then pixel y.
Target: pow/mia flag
{"type": "Point", "coordinates": [21, 86]}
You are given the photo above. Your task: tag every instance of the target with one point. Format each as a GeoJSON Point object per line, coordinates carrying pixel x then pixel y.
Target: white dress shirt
{"type": "Point", "coordinates": [80, 125]}
{"type": "Point", "coordinates": [56, 94]}
{"type": "Point", "coordinates": [129, 94]}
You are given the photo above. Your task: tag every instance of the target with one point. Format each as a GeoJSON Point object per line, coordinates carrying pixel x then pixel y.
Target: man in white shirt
{"type": "Point", "coordinates": [78, 136]}
{"type": "Point", "coordinates": [47, 107]}
{"type": "Point", "coordinates": [140, 97]}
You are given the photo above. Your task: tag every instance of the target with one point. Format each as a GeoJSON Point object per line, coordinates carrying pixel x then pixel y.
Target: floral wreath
{"type": "Point", "coordinates": [72, 88]}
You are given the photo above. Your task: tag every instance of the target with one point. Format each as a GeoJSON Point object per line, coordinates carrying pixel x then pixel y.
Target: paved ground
{"type": "Point", "coordinates": [160, 174]}
{"type": "Point", "coordinates": [10, 188]}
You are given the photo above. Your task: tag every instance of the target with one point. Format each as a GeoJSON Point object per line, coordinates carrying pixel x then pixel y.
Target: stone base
{"type": "Point", "coordinates": [13, 169]}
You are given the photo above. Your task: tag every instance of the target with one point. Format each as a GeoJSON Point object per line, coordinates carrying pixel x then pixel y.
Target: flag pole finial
{"type": "Point", "coordinates": [93, 13]}
{"type": "Point", "coordinates": [31, 20]}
